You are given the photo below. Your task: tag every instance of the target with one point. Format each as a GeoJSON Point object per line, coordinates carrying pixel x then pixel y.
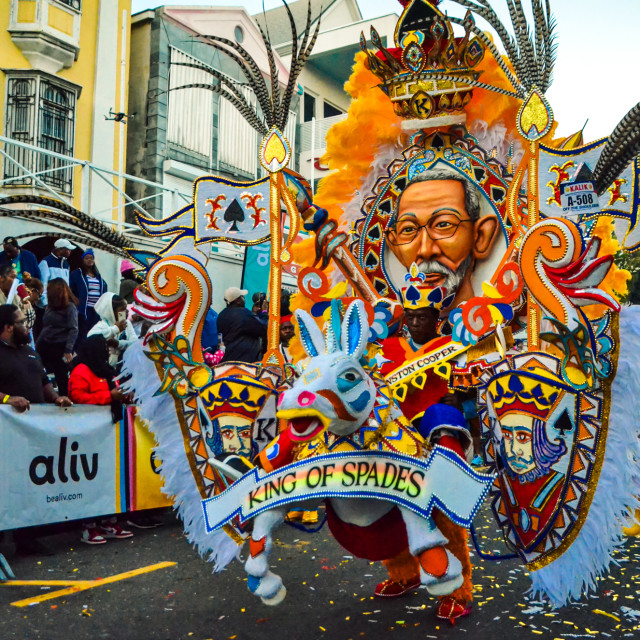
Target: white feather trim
{"type": "Point", "coordinates": [352, 210]}
{"type": "Point", "coordinates": [385, 155]}
{"type": "Point", "coordinates": [498, 140]}
{"type": "Point", "coordinates": [179, 483]}
{"type": "Point", "coordinates": [616, 496]}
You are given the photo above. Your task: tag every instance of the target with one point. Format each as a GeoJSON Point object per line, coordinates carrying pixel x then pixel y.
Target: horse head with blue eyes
{"type": "Point", "coordinates": [333, 392]}
{"type": "Point", "coordinates": [336, 393]}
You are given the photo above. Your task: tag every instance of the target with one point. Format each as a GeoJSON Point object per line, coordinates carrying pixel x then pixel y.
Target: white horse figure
{"type": "Point", "coordinates": [334, 392]}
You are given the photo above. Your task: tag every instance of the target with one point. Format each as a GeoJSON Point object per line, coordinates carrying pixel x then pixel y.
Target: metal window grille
{"type": "Point", "coordinates": [40, 113]}
{"type": "Point", "coordinates": [56, 120]}
{"type": "Point", "coordinates": [20, 126]}
{"type": "Point", "coordinates": [74, 4]}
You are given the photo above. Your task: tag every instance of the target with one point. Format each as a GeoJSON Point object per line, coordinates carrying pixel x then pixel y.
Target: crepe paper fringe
{"type": "Point", "coordinates": [576, 571]}
{"type": "Point", "coordinates": [159, 412]}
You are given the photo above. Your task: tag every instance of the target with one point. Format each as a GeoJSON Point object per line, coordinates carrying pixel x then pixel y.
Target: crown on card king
{"type": "Point", "coordinates": [237, 391]}
{"type": "Point", "coordinates": [417, 295]}
{"type": "Point", "coordinates": [429, 74]}
{"type": "Point", "coordinates": [532, 393]}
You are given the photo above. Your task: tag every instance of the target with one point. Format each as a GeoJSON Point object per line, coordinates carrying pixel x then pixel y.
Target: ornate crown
{"type": "Point", "coordinates": [417, 295]}
{"type": "Point", "coordinates": [429, 75]}
{"type": "Point", "coordinates": [239, 390]}
{"type": "Point", "coordinates": [533, 392]}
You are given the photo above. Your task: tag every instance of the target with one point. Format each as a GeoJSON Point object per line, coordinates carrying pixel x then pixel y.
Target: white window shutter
{"type": "Point", "coordinates": [237, 139]}
{"type": "Point", "coordinates": [190, 119]}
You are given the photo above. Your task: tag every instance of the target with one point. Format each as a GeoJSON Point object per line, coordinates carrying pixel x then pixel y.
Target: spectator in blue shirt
{"type": "Point", "coordinates": [20, 259]}
{"type": "Point", "coordinates": [209, 338]}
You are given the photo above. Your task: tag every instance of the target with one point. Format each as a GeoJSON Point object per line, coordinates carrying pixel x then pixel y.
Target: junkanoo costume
{"type": "Point", "coordinates": [534, 325]}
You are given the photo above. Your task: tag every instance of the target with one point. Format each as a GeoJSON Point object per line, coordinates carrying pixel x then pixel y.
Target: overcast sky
{"type": "Point", "coordinates": [596, 76]}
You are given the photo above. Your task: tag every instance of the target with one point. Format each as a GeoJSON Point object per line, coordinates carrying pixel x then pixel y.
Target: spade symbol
{"type": "Point", "coordinates": [437, 142]}
{"type": "Point", "coordinates": [479, 174]}
{"type": "Point", "coordinates": [234, 214]}
{"type": "Point", "coordinates": [374, 233]}
{"type": "Point", "coordinates": [380, 286]}
{"type": "Point", "coordinates": [412, 295]}
{"type": "Point", "coordinates": [225, 392]}
{"type": "Point", "coordinates": [563, 423]}
{"type": "Point", "coordinates": [385, 206]}
{"type": "Point", "coordinates": [371, 261]}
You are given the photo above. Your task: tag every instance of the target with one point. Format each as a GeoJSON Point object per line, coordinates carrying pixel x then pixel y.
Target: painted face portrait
{"type": "Point", "coordinates": [438, 225]}
{"type": "Point", "coordinates": [517, 437]}
{"type": "Point", "coordinates": [236, 435]}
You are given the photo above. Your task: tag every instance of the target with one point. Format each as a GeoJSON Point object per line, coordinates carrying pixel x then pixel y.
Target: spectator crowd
{"type": "Point", "coordinates": [63, 334]}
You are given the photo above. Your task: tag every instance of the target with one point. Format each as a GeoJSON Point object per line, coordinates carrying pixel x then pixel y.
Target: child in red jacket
{"type": "Point", "coordinates": [91, 382]}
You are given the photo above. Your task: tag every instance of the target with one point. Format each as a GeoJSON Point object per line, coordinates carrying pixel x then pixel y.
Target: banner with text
{"type": "Point", "coordinates": [59, 464]}
{"type": "Point", "coordinates": [442, 480]}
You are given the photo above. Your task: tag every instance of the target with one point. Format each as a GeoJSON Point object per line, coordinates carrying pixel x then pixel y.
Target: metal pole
{"type": "Point", "coordinates": [533, 324]}
{"type": "Point", "coordinates": [123, 109]}
{"type": "Point", "coordinates": [53, 154]}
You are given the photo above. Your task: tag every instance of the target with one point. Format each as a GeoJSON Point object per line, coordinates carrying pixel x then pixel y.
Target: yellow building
{"type": "Point", "coordinates": [65, 66]}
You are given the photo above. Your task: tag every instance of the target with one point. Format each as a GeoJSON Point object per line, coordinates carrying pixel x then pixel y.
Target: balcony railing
{"type": "Point", "coordinates": [22, 169]}
{"type": "Point", "coordinates": [313, 134]}
{"type": "Point", "coordinates": [28, 166]}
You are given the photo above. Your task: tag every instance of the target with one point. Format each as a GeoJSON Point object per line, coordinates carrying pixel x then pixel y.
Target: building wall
{"type": "Point", "coordinates": [324, 88]}
{"type": "Point", "coordinates": [108, 139]}
{"type": "Point", "coordinates": [153, 34]}
{"type": "Point", "coordinates": [100, 33]}
{"type": "Point", "coordinates": [139, 74]}
{"type": "Point", "coordinates": [97, 70]}
{"type": "Point", "coordinates": [341, 13]}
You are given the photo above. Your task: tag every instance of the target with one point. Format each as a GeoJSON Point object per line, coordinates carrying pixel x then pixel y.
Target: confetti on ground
{"type": "Point", "coordinates": [604, 613]}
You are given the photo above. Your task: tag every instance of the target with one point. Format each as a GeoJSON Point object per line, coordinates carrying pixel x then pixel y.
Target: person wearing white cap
{"type": "Point", "coordinates": [242, 331]}
{"type": "Point", "coordinates": [55, 265]}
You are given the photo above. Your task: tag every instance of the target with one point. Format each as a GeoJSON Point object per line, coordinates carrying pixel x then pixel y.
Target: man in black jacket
{"type": "Point", "coordinates": [242, 331]}
{"type": "Point", "coordinates": [23, 379]}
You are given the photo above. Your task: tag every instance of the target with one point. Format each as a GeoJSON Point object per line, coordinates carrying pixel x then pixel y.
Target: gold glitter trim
{"type": "Point", "coordinates": [234, 535]}
{"type": "Point", "coordinates": [597, 465]}
{"type": "Point", "coordinates": [532, 203]}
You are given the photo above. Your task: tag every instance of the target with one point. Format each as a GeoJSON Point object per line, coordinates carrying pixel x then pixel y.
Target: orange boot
{"type": "Point", "coordinates": [458, 603]}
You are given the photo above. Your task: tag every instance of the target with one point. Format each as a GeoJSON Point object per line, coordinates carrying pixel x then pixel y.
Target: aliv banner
{"type": "Point", "coordinates": [59, 464]}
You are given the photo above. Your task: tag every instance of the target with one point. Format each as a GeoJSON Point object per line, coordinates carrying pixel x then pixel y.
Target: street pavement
{"type": "Point", "coordinates": [329, 595]}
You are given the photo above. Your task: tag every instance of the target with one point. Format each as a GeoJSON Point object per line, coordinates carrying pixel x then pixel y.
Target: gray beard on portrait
{"type": "Point", "coordinates": [453, 278]}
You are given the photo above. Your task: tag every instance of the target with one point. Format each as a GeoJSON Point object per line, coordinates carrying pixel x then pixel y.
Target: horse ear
{"type": "Point", "coordinates": [355, 329]}
{"type": "Point", "coordinates": [310, 334]}
{"type": "Point", "coordinates": [332, 330]}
